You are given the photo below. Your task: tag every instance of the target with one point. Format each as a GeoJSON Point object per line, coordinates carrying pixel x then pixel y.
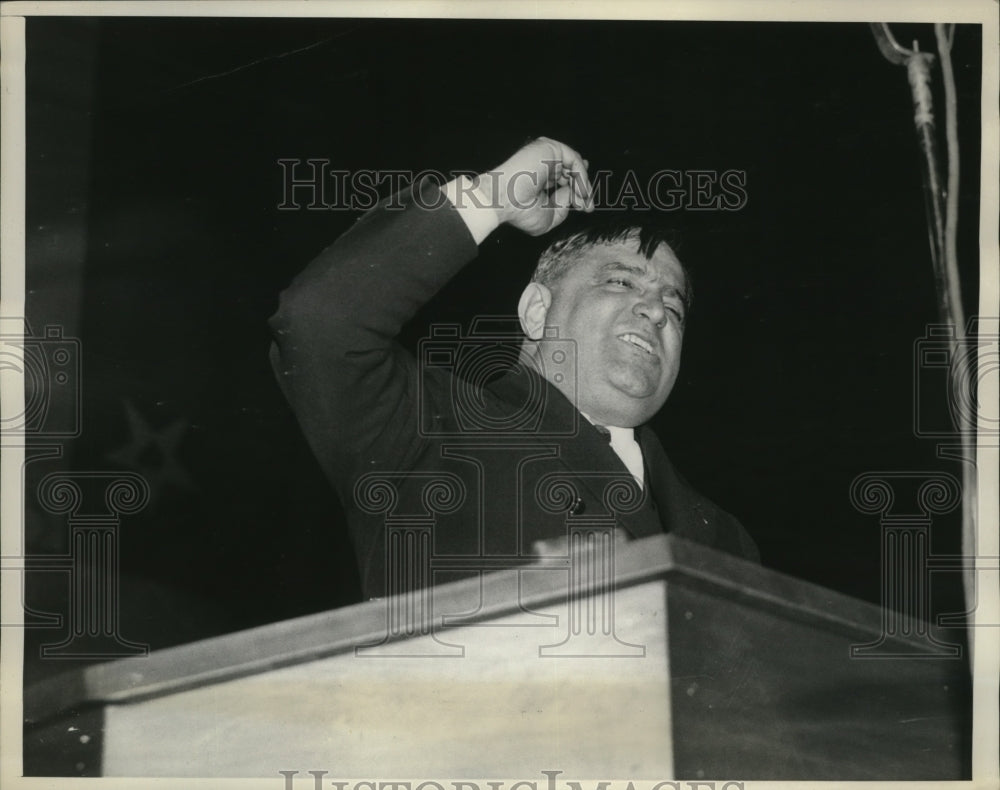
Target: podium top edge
{"type": "Point", "coordinates": [311, 637]}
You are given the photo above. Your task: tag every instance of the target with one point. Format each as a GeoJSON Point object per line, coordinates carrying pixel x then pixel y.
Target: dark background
{"type": "Point", "coordinates": [154, 236]}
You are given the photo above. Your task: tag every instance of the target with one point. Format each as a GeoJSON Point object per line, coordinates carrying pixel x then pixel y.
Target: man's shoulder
{"type": "Point", "coordinates": [468, 398]}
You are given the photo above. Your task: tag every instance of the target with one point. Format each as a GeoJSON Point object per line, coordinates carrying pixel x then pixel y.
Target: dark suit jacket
{"type": "Point", "coordinates": [486, 466]}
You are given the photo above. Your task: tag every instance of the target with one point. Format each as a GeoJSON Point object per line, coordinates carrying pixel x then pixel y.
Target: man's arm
{"type": "Point", "coordinates": [333, 352]}
{"type": "Point", "coordinates": [353, 389]}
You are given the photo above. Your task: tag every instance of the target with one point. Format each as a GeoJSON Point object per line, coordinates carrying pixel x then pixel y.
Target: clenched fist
{"type": "Point", "coordinates": [537, 187]}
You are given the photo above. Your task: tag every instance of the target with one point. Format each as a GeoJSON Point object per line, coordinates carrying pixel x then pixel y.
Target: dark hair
{"type": "Point", "coordinates": [564, 249]}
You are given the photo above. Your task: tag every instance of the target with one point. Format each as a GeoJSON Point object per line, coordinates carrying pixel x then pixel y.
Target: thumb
{"type": "Point", "coordinates": [560, 201]}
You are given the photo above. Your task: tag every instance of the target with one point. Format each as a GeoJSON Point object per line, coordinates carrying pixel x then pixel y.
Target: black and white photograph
{"type": "Point", "coordinates": [498, 397]}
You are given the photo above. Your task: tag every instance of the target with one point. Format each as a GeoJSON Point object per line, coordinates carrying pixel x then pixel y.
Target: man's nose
{"type": "Point", "coordinates": [652, 309]}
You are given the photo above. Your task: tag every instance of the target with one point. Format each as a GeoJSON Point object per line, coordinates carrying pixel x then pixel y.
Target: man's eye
{"type": "Point", "coordinates": [677, 313]}
{"type": "Point", "coordinates": [622, 281]}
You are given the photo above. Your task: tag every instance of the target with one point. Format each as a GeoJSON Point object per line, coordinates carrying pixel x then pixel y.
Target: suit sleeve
{"type": "Point", "coordinates": [351, 386]}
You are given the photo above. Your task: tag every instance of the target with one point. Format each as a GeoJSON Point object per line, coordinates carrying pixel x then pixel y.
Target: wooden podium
{"type": "Point", "coordinates": [653, 660]}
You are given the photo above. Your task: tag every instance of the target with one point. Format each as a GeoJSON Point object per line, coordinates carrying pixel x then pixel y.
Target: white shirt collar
{"type": "Point", "coordinates": [626, 447]}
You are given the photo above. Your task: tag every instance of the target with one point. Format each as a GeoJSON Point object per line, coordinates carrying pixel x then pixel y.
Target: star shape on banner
{"type": "Point", "coordinates": [153, 453]}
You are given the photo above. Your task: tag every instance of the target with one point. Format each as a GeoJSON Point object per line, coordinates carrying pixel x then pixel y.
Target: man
{"type": "Point", "coordinates": [520, 454]}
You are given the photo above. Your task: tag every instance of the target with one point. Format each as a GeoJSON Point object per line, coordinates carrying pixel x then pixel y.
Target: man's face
{"type": "Point", "coordinates": [626, 315]}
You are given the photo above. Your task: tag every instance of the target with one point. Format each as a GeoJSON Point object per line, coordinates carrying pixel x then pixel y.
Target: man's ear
{"type": "Point", "coordinates": [532, 309]}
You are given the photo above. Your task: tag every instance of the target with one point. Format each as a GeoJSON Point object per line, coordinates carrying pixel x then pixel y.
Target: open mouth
{"type": "Point", "coordinates": [637, 341]}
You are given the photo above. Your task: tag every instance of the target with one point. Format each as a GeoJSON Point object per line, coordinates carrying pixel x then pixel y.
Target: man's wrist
{"type": "Point", "coordinates": [488, 187]}
{"type": "Point", "coordinates": [474, 205]}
